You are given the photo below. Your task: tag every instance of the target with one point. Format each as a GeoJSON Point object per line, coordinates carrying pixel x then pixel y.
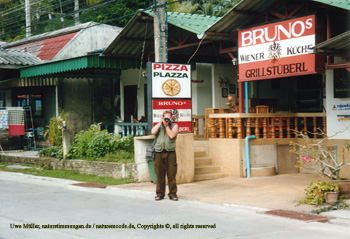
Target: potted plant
{"type": "Point", "coordinates": [321, 192]}
{"type": "Point", "coordinates": [314, 154]}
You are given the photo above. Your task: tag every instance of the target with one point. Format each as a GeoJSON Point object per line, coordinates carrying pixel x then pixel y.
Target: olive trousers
{"type": "Point", "coordinates": [166, 165]}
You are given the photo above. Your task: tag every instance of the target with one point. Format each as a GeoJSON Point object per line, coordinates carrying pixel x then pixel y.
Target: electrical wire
{"type": "Point", "coordinates": [64, 15]}
{"type": "Point", "coordinates": [196, 49]}
{"type": "Point", "coordinates": [142, 55]}
{"type": "Point", "coordinates": [17, 23]}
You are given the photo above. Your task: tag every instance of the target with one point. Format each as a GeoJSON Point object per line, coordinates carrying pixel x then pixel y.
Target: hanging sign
{"type": "Point", "coordinates": [171, 80]}
{"type": "Point", "coordinates": [180, 109]}
{"type": "Point", "coordinates": [4, 119]}
{"type": "Point", "coordinates": [277, 50]}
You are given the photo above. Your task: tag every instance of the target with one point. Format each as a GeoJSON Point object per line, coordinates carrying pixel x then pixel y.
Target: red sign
{"type": "Point", "coordinates": [181, 112]}
{"type": "Point", "coordinates": [277, 50]}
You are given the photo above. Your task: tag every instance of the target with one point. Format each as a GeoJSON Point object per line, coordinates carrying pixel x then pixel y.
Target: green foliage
{"type": "Point", "coordinates": [94, 143]}
{"type": "Point", "coordinates": [204, 7]}
{"type": "Point", "coordinates": [54, 130]}
{"type": "Point", "coordinates": [316, 192]}
{"type": "Point", "coordinates": [54, 151]}
{"type": "Point", "coordinates": [116, 11]}
{"type": "Point", "coordinates": [122, 156]}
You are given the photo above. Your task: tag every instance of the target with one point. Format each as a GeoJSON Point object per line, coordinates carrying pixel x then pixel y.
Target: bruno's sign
{"type": "Point", "coordinates": [277, 50]}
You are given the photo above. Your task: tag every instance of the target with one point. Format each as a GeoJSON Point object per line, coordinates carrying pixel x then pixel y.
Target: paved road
{"type": "Point", "coordinates": [30, 205]}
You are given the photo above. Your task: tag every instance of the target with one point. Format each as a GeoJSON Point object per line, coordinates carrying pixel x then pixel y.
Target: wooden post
{"type": "Point", "coordinates": [159, 25]}
{"type": "Point", "coordinates": [212, 123]}
{"type": "Point", "coordinates": [296, 126]}
{"type": "Point", "coordinates": [239, 128]}
{"type": "Point", "coordinates": [305, 125]}
{"type": "Point", "coordinates": [193, 125]}
{"type": "Point", "coordinates": [265, 128]}
{"type": "Point", "coordinates": [241, 97]}
{"type": "Point", "coordinates": [288, 128]}
{"type": "Point", "coordinates": [257, 133]}
{"type": "Point", "coordinates": [229, 128]}
{"type": "Point", "coordinates": [222, 128]}
{"type": "Point", "coordinates": [315, 127]}
{"type": "Point", "coordinates": [324, 126]}
{"type": "Point", "coordinates": [280, 128]}
{"type": "Point", "coordinates": [248, 127]}
{"type": "Point", "coordinates": [273, 128]}
{"type": "Point", "coordinates": [196, 125]}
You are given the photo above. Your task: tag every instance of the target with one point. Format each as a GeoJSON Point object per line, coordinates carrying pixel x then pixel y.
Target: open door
{"type": "Point", "coordinates": [130, 102]}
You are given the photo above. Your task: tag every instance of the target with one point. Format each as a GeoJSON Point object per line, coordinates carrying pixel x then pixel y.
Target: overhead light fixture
{"type": "Point", "coordinates": [201, 35]}
{"type": "Point", "coordinates": [311, 50]}
{"type": "Point", "coordinates": [235, 61]}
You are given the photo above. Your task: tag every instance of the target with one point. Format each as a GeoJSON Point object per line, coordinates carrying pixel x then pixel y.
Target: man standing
{"type": "Point", "coordinates": [165, 156]}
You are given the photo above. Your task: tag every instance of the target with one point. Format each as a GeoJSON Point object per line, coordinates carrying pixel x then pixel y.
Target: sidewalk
{"type": "Point", "coordinates": [259, 194]}
{"type": "Point", "coordinates": [276, 192]}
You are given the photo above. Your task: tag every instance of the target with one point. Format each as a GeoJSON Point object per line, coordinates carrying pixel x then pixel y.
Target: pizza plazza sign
{"type": "Point", "coordinates": [171, 90]}
{"type": "Point", "coordinates": [277, 50]}
{"type": "Point", "coordinates": [171, 80]}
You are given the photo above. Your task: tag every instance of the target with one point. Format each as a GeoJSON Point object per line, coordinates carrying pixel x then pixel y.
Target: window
{"type": "Point", "coordinates": [34, 101]}
{"type": "Point", "coordinates": [341, 81]}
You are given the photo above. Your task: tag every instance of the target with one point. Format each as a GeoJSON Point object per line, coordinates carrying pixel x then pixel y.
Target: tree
{"type": "Point", "coordinates": [205, 7]}
{"type": "Point", "coordinates": [116, 11]}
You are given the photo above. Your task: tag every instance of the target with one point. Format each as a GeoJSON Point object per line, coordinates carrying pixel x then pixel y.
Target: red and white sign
{"type": "Point", "coordinates": [171, 80]}
{"type": "Point", "coordinates": [277, 50]}
{"type": "Point", "coordinates": [181, 110]}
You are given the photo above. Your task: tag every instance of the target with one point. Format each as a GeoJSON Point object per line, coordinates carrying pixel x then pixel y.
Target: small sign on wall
{"type": "Point", "coordinates": [343, 117]}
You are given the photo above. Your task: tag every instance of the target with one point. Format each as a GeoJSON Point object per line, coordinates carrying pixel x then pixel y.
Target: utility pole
{"type": "Point", "coordinates": [160, 31]}
{"type": "Point", "coordinates": [76, 8]}
{"type": "Point", "coordinates": [28, 24]}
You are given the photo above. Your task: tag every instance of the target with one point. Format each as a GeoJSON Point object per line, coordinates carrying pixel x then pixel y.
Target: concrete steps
{"type": "Point", "coordinates": [209, 176]}
{"type": "Point", "coordinates": [204, 168]}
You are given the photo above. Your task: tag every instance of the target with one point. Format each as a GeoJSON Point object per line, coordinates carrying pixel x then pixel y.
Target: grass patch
{"type": "Point", "coordinates": [121, 157]}
{"type": "Point", "coordinates": [66, 174]}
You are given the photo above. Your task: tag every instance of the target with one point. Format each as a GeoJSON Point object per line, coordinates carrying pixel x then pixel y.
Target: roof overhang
{"type": "Point", "coordinates": [137, 38]}
{"type": "Point", "coordinates": [338, 45]}
{"type": "Point", "coordinates": [80, 63]}
{"type": "Point", "coordinates": [241, 15]}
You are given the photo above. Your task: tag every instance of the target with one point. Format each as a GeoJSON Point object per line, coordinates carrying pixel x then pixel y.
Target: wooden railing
{"type": "Point", "coordinates": [269, 125]}
{"type": "Point", "coordinates": [195, 123]}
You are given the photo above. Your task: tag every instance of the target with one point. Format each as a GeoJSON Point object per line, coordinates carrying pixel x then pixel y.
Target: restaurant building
{"type": "Point", "coordinates": [293, 67]}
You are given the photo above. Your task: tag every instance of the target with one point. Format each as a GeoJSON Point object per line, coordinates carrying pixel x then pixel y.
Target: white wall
{"type": "Point", "coordinates": [228, 71]}
{"type": "Point", "coordinates": [333, 124]}
{"type": "Point", "coordinates": [201, 92]}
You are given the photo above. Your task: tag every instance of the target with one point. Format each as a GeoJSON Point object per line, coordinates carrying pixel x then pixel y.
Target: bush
{"type": "Point", "coordinates": [95, 143]}
{"type": "Point", "coordinates": [54, 151]}
{"type": "Point", "coordinates": [316, 192]}
{"type": "Point", "coordinates": [54, 130]}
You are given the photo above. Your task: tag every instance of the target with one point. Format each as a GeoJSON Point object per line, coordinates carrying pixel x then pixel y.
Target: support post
{"type": "Point", "coordinates": [160, 28]}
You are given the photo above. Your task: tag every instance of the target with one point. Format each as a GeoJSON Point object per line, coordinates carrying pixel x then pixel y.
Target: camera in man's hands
{"type": "Point", "coordinates": [167, 119]}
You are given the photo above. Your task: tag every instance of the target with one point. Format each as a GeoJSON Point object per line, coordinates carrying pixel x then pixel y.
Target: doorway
{"type": "Point", "coordinates": [130, 102]}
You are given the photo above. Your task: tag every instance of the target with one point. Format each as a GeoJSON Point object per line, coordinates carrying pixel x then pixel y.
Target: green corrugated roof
{"type": "Point", "coordinates": [345, 4]}
{"type": "Point", "coordinates": [191, 22]}
{"type": "Point", "coordinates": [92, 61]}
